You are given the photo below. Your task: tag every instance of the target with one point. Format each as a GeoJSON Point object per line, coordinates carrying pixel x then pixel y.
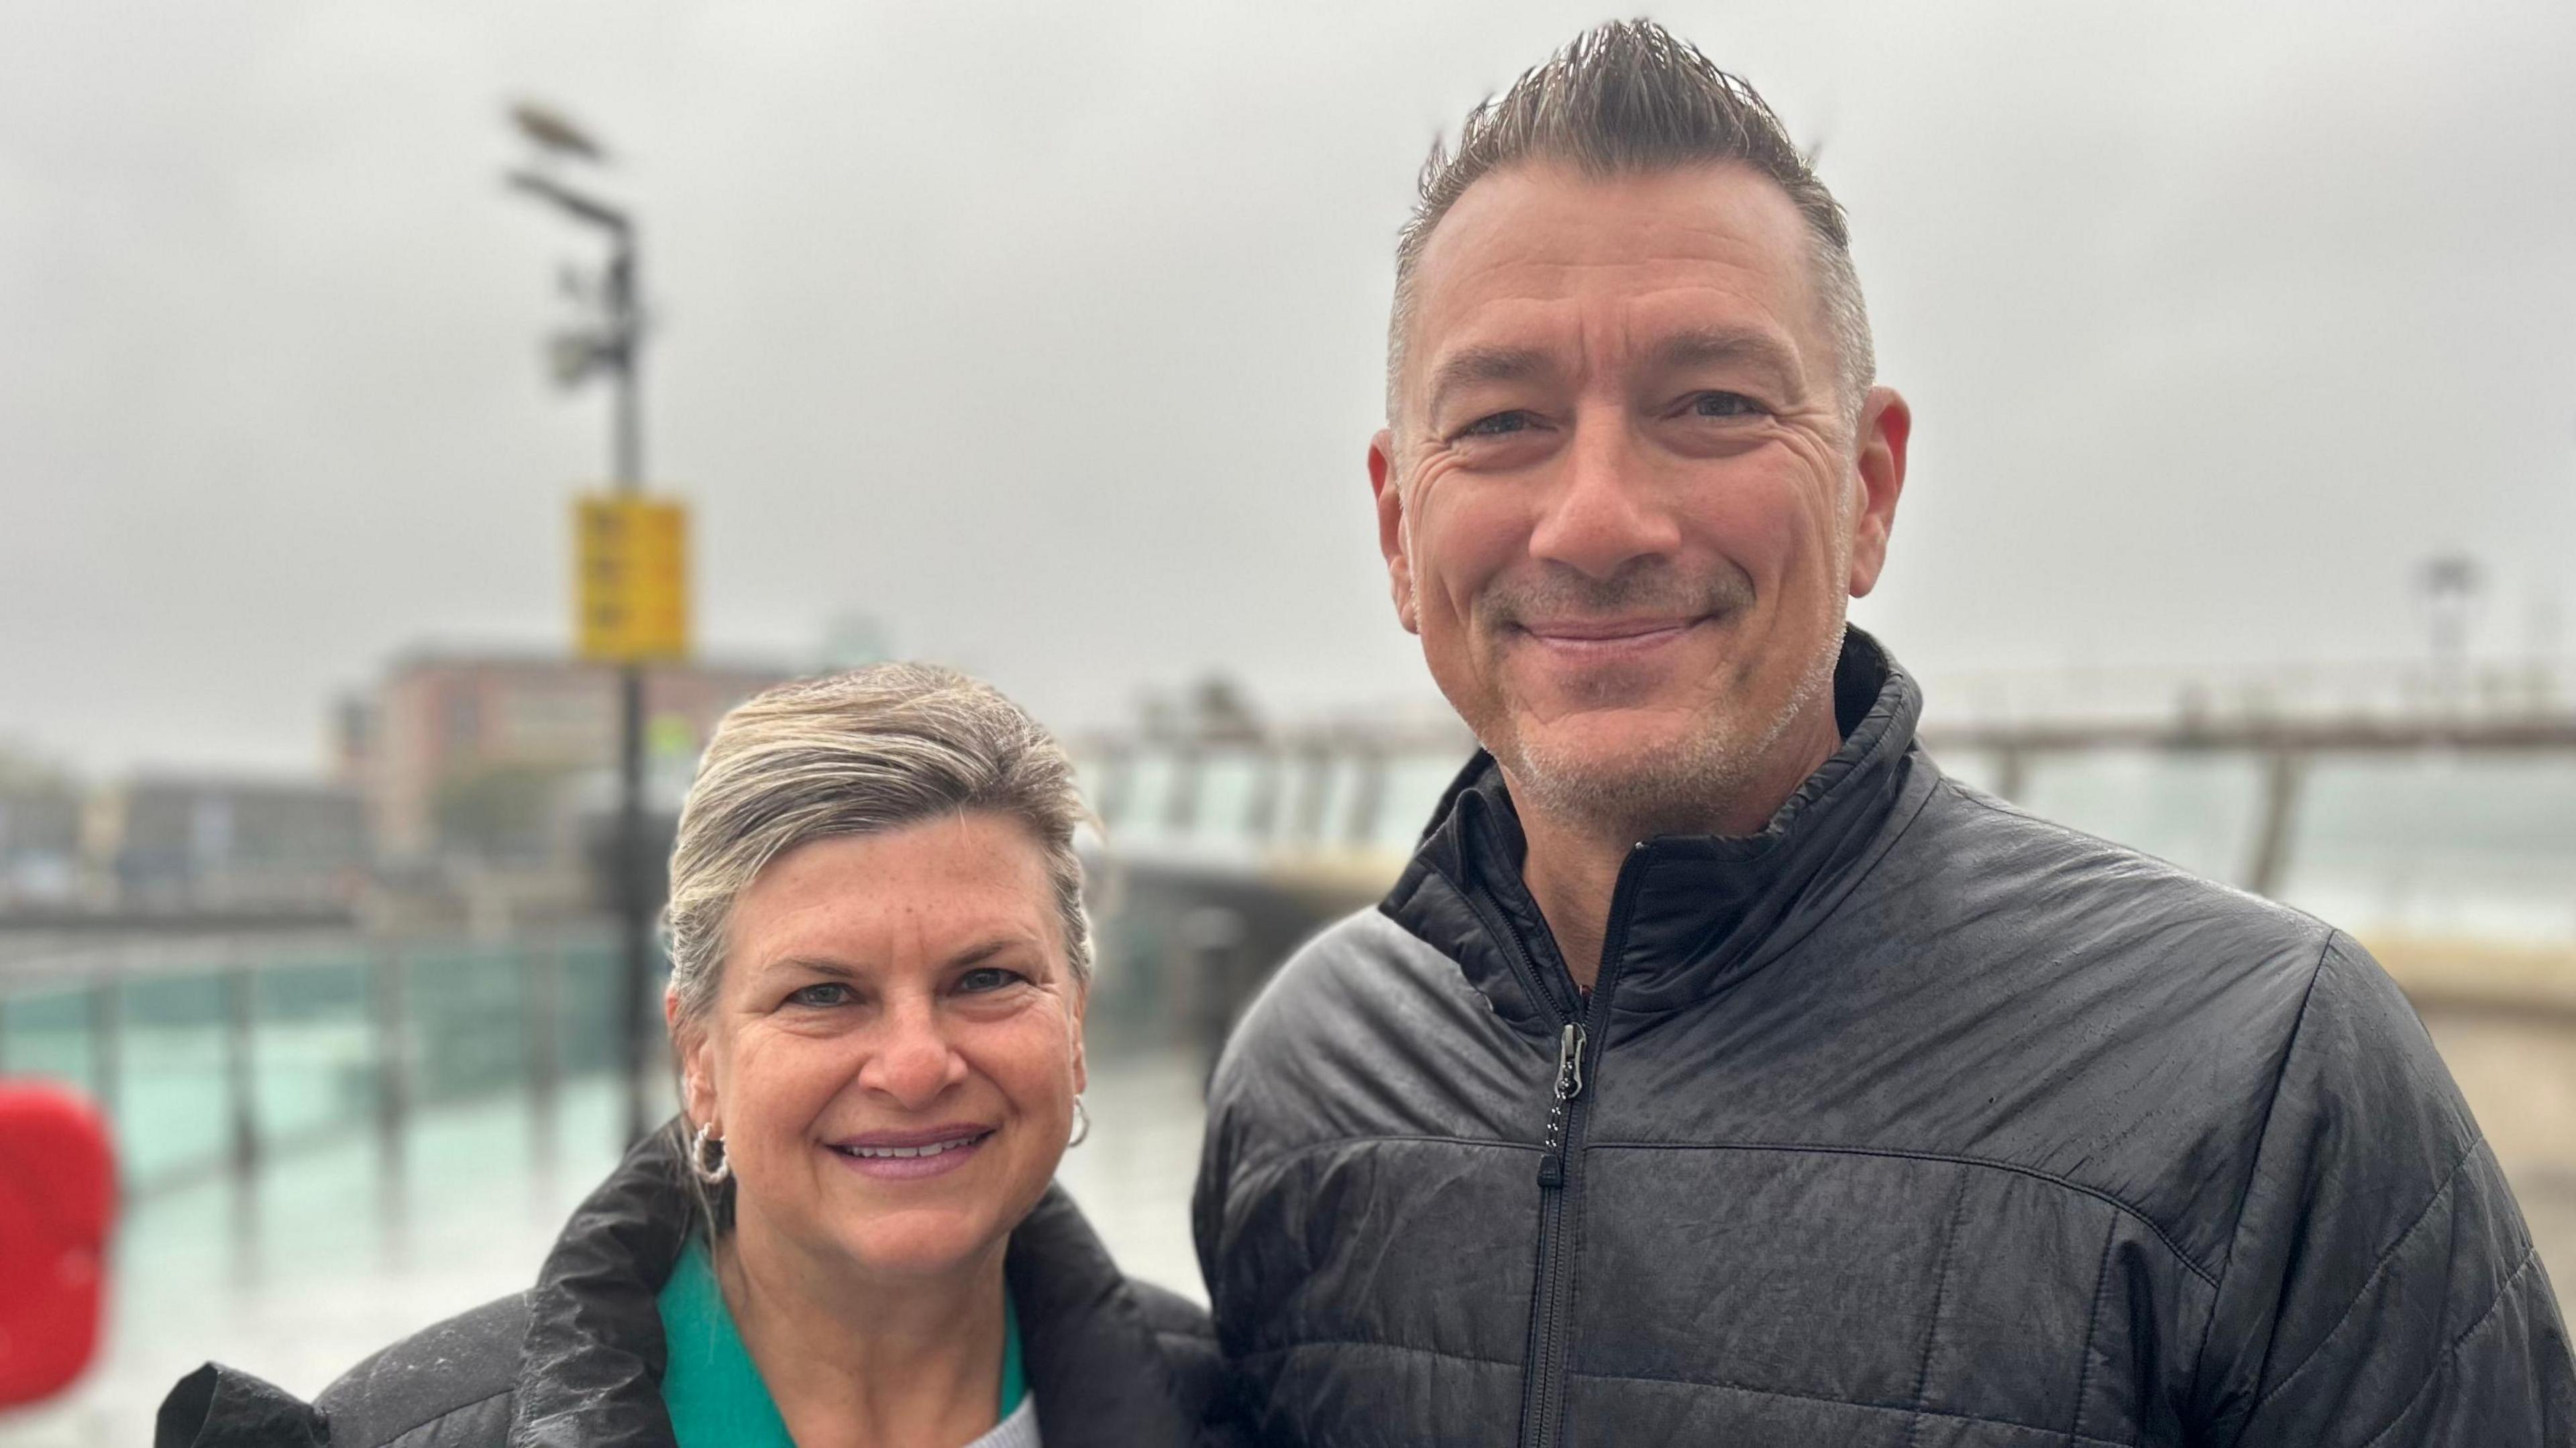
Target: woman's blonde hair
{"type": "Point", "coordinates": [852, 754]}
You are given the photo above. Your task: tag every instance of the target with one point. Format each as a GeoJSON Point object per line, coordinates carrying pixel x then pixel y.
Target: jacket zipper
{"type": "Point", "coordinates": [1560, 1178]}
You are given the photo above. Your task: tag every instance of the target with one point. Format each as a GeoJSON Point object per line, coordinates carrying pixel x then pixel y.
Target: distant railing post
{"type": "Point", "coordinates": [541, 977]}
{"type": "Point", "coordinates": [2011, 774]}
{"type": "Point", "coordinates": [106, 1037]}
{"type": "Point", "coordinates": [2283, 770]}
{"type": "Point", "coordinates": [241, 1082]}
{"type": "Point", "coordinates": [1369, 800]}
{"type": "Point", "coordinates": [1212, 941]}
{"type": "Point", "coordinates": [393, 1079]}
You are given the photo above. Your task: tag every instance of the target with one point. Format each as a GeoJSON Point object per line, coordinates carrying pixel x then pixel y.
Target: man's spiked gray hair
{"type": "Point", "coordinates": [1628, 97]}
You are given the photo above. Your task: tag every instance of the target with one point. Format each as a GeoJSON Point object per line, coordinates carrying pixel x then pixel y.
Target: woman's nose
{"type": "Point", "coordinates": [911, 1061]}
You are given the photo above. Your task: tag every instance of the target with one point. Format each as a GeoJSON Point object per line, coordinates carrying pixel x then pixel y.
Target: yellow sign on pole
{"type": "Point", "coordinates": [631, 578]}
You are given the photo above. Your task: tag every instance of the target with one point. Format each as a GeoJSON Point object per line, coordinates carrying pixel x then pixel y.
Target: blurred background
{"type": "Point", "coordinates": [1045, 341]}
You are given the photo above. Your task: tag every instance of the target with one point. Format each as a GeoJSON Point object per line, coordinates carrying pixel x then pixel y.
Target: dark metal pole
{"type": "Point", "coordinates": [635, 905]}
{"type": "Point", "coordinates": [621, 350]}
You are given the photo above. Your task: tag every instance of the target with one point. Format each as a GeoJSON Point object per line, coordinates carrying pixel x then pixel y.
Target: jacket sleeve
{"type": "Point", "coordinates": [221, 1407]}
{"type": "Point", "coordinates": [2381, 1290]}
{"type": "Point", "coordinates": [1207, 1197]}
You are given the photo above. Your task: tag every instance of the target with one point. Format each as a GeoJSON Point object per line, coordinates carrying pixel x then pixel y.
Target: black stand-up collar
{"type": "Point", "coordinates": [1707, 908]}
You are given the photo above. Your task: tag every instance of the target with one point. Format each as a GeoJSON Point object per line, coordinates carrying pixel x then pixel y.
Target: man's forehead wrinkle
{"type": "Point", "coordinates": [1747, 240]}
{"type": "Point", "coordinates": [1642, 333]}
{"type": "Point", "coordinates": [1721, 345]}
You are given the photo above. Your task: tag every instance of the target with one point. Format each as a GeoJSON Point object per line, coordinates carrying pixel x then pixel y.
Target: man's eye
{"type": "Point", "coordinates": [821, 993]}
{"type": "Point", "coordinates": [1498, 425]}
{"type": "Point", "coordinates": [985, 978]}
{"type": "Point", "coordinates": [1724, 404]}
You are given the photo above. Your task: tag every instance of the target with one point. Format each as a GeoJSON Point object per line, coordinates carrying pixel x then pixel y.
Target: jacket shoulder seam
{"type": "Point", "coordinates": [2006, 809]}
{"type": "Point", "coordinates": [1828, 1148]}
{"type": "Point", "coordinates": [2451, 1354]}
{"type": "Point", "coordinates": [1287, 1154]}
{"type": "Point", "coordinates": [1302, 1344]}
{"type": "Point", "coordinates": [2389, 1254]}
{"type": "Point", "coordinates": [1367, 1345]}
{"type": "Point", "coordinates": [1946, 1415]}
{"type": "Point", "coordinates": [2262, 1133]}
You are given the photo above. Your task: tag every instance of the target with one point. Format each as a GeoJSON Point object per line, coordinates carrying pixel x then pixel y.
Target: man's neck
{"type": "Point", "coordinates": [1572, 866]}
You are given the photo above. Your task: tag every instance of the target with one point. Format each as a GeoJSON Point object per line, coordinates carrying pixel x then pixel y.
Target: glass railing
{"type": "Point", "coordinates": [219, 1056]}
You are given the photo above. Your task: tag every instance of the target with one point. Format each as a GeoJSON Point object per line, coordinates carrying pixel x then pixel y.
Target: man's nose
{"type": "Point", "coordinates": [911, 1060]}
{"type": "Point", "coordinates": [1606, 509]}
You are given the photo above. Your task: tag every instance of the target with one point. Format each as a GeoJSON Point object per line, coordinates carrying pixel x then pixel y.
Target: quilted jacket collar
{"type": "Point", "coordinates": [1710, 908]}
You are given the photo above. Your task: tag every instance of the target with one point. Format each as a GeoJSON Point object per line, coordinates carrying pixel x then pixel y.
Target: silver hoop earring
{"type": "Point", "coordinates": [1081, 1123]}
{"type": "Point", "coordinates": [718, 1174]}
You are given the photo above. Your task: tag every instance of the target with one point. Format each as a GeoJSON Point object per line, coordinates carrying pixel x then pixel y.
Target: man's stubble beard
{"type": "Point", "coordinates": [1682, 788]}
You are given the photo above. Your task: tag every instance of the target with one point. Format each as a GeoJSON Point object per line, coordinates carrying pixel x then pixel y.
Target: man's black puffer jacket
{"type": "Point", "coordinates": [577, 1360]}
{"type": "Point", "coordinates": [1911, 1120]}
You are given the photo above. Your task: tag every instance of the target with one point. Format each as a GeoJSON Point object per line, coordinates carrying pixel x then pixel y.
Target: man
{"type": "Point", "coordinates": [1718, 1072]}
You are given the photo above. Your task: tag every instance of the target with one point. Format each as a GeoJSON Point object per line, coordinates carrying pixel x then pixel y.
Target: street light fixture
{"type": "Point", "coordinates": [610, 343]}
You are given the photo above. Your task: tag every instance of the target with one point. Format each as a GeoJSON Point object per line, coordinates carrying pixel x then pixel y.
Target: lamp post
{"type": "Point", "coordinates": [612, 343]}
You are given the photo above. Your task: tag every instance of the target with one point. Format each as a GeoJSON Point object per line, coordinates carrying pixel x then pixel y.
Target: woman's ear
{"type": "Point", "coordinates": [690, 1047]}
{"type": "Point", "coordinates": [1080, 1002]}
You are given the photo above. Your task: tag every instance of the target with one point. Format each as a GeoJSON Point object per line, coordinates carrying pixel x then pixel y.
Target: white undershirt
{"type": "Point", "coordinates": [1020, 1430]}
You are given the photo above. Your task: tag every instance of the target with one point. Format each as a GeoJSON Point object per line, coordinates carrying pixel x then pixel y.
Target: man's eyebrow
{"type": "Point", "coordinates": [1469, 365]}
{"type": "Point", "coordinates": [1719, 346]}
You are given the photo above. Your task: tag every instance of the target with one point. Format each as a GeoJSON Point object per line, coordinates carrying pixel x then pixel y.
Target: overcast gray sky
{"type": "Point", "coordinates": [1050, 334]}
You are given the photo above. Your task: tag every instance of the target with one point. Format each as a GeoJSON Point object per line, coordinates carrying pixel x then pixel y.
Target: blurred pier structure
{"type": "Point", "coordinates": [339, 1126]}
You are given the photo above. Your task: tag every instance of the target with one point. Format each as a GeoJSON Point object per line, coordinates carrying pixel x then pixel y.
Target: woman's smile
{"type": "Point", "coordinates": [910, 1155]}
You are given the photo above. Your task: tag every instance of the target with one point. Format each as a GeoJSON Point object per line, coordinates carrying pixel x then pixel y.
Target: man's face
{"type": "Point", "coordinates": [1624, 510]}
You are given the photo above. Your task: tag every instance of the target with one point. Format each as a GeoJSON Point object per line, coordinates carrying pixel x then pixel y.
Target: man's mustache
{"type": "Point", "coordinates": [1559, 594]}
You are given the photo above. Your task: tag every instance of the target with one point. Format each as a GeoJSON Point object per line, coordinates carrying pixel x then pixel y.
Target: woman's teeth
{"type": "Point", "coordinates": [934, 1149]}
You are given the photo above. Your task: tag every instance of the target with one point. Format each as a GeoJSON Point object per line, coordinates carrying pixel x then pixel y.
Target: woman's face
{"type": "Point", "coordinates": [894, 1046]}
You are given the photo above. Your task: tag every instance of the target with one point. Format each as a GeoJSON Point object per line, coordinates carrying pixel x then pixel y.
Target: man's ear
{"type": "Point", "coordinates": [1878, 478]}
{"type": "Point", "coordinates": [697, 1065]}
{"type": "Point", "coordinates": [1389, 492]}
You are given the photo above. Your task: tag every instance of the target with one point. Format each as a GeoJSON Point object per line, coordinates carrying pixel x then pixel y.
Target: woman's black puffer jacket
{"type": "Point", "coordinates": [577, 1359]}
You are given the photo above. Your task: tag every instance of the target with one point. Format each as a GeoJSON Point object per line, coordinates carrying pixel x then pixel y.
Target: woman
{"type": "Point", "coordinates": [879, 958]}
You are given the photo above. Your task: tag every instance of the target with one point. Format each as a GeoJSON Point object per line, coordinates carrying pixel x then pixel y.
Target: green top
{"type": "Point", "coordinates": [712, 1388]}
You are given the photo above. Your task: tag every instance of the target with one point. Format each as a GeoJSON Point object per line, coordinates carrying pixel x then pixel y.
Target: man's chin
{"type": "Point", "coordinates": [1635, 776]}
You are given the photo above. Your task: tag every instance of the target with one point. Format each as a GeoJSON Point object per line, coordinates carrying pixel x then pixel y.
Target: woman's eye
{"type": "Point", "coordinates": [1499, 425]}
{"type": "Point", "coordinates": [985, 978]}
{"type": "Point", "coordinates": [821, 993]}
{"type": "Point", "coordinates": [1724, 404]}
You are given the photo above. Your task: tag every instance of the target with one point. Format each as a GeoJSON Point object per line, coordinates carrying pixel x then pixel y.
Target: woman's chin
{"type": "Point", "coordinates": [923, 1242]}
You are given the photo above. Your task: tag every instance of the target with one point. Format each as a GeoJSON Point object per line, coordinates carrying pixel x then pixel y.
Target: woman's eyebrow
{"type": "Point", "coordinates": [978, 954]}
{"type": "Point", "coordinates": [813, 964]}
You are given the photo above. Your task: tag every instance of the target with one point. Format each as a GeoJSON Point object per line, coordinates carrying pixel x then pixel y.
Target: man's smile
{"type": "Point", "coordinates": [1604, 640]}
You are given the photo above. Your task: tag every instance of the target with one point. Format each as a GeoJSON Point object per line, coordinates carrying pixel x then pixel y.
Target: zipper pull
{"type": "Point", "coordinates": [1569, 1084]}
{"type": "Point", "coordinates": [1569, 1063]}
